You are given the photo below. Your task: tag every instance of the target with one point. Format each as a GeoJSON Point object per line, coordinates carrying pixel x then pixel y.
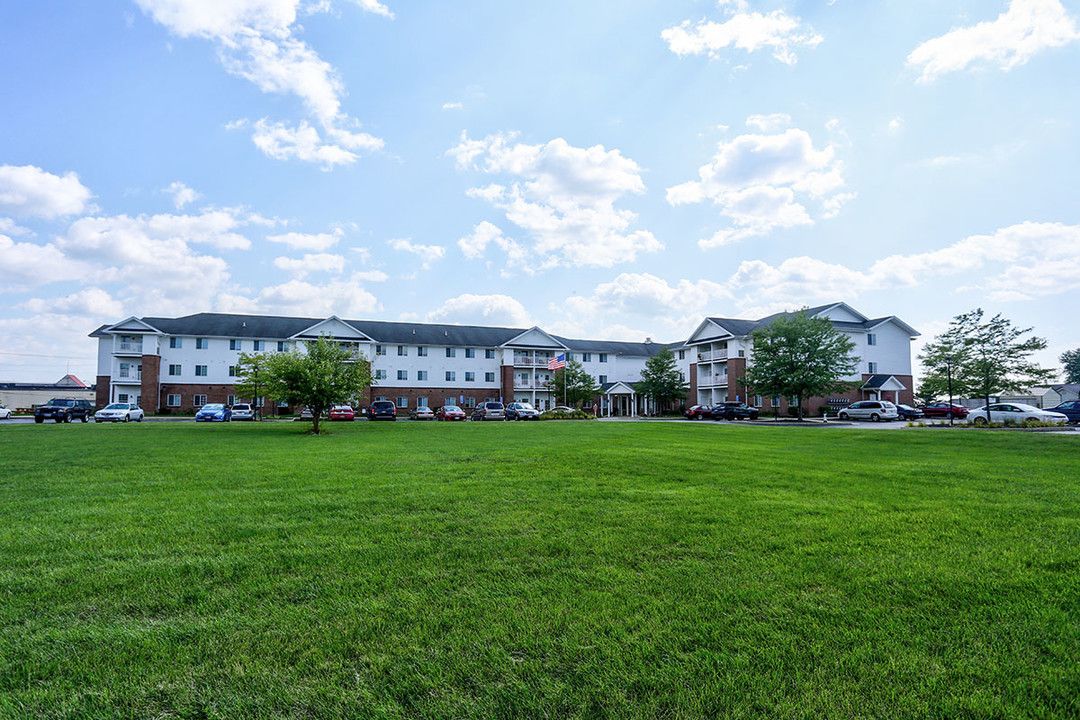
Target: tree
{"type": "Point", "coordinates": [661, 379]}
{"type": "Point", "coordinates": [573, 385]}
{"type": "Point", "coordinates": [800, 356]}
{"type": "Point", "coordinates": [1071, 360]}
{"type": "Point", "coordinates": [250, 379]}
{"type": "Point", "coordinates": [984, 356]}
{"type": "Point", "coordinates": [319, 378]}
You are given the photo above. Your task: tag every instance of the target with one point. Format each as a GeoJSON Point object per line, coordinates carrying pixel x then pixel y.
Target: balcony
{"type": "Point", "coordinates": [712, 355]}
{"type": "Point", "coordinates": [530, 361]}
{"type": "Point", "coordinates": [130, 377]}
{"type": "Point", "coordinates": [709, 381]}
{"type": "Point", "coordinates": [128, 348]}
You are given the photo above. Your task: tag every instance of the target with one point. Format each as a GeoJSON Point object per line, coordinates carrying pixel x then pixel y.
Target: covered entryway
{"type": "Point", "coordinates": [882, 387]}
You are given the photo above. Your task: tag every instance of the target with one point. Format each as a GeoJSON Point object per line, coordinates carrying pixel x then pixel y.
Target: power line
{"type": "Point", "coordinates": [58, 357]}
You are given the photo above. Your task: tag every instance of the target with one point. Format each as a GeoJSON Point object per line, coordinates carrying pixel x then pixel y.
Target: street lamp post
{"type": "Point", "coordinates": [948, 375]}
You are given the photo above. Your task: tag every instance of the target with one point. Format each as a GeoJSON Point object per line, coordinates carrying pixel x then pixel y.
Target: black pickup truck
{"type": "Point", "coordinates": [63, 410]}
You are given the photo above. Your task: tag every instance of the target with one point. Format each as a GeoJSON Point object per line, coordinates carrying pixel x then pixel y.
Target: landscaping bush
{"type": "Point", "coordinates": [562, 415]}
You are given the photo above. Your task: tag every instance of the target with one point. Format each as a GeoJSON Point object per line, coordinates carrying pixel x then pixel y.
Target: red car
{"type": "Point", "coordinates": [945, 410]}
{"type": "Point", "coordinates": [449, 412]}
{"type": "Point", "coordinates": [342, 412]}
{"type": "Point", "coordinates": [698, 412]}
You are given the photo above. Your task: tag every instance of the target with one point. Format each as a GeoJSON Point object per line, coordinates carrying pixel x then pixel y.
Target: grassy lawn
{"type": "Point", "coordinates": [556, 570]}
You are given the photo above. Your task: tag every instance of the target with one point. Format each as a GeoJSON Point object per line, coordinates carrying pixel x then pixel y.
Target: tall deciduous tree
{"type": "Point", "coordinates": [573, 385]}
{"type": "Point", "coordinates": [661, 380]}
{"type": "Point", "coordinates": [250, 380]}
{"type": "Point", "coordinates": [800, 356]}
{"type": "Point", "coordinates": [1071, 360]}
{"type": "Point", "coordinates": [985, 357]}
{"type": "Point", "coordinates": [321, 376]}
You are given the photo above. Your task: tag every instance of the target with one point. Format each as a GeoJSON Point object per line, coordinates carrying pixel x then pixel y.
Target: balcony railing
{"type": "Point", "coordinates": [712, 381]}
{"type": "Point", "coordinates": [129, 347]}
{"type": "Point", "coordinates": [712, 355]}
{"type": "Point", "coordinates": [132, 376]}
{"type": "Point", "coordinates": [529, 361]}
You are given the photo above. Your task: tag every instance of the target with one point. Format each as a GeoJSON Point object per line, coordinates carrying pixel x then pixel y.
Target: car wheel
{"type": "Point", "coordinates": [948, 416]}
{"type": "Point", "coordinates": [39, 419]}
{"type": "Point", "coordinates": [127, 418]}
{"type": "Point", "coordinates": [729, 416]}
{"type": "Point", "coordinates": [843, 416]}
{"type": "Point", "coordinates": [875, 417]}
{"type": "Point", "coordinates": [140, 419]}
{"type": "Point", "coordinates": [979, 421]}
{"type": "Point", "coordinates": [85, 418]}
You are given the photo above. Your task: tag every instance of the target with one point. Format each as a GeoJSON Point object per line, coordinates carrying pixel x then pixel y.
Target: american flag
{"type": "Point", "coordinates": [558, 362]}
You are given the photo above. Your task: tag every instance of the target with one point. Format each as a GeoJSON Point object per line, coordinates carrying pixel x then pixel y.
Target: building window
{"type": "Point", "coordinates": [380, 398]}
{"type": "Point", "coordinates": [586, 357]}
{"type": "Point", "coordinates": [402, 351]}
{"type": "Point", "coordinates": [172, 401]}
{"type": "Point", "coordinates": [176, 343]}
{"type": "Point", "coordinates": [470, 402]}
{"type": "Point", "coordinates": [380, 350]}
{"type": "Point", "coordinates": [175, 370]}
{"type": "Point", "coordinates": [871, 339]}
{"type": "Point", "coordinates": [421, 402]}
{"type": "Point", "coordinates": [873, 368]}
{"type": "Point", "coordinates": [402, 402]}
{"type": "Point", "coordinates": [450, 401]}
{"type": "Point", "coordinates": [451, 352]}
{"type": "Point", "coordinates": [603, 357]}
{"type": "Point", "coordinates": [602, 379]}
{"type": "Point", "coordinates": [231, 400]}
{"type": "Point", "coordinates": [402, 374]}
{"type": "Point", "coordinates": [421, 374]}
{"type": "Point", "coordinates": [470, 353]}
{"type": "Point", "coordinates": [757, 401]}
{"type": "Point", "coordinates": [122, 397]}
{"type": "Point", "coordinates": [199, 400]}
{"type": "Point", "coordinates": [489, 354]}
{"type": "Point", "coordinates": [451, 376]}
{"type": "Point", "coordinates": [235, 345]}
{"type": "Point", "coordinates": [489, 377]}
{"type": "Point", "coordinates": [421, 351]}
{"type": "Point", "coordinates": [380, 374]}
{"type": "Point", "coordinates": [258, 345]}
{"type": "Point", "coordinates": [200, 371]}
{"type": "Point", "coordinates": [232, 370]}
{"type": "Point", "coordinates": [259, 401]}
{"type": "Point", "coordinates": [470, 377]}
{"type": "Point", "coordinates": [282, 346]}
{"type": "Point", "coordinates": [742, 353]}
{"type": "Point", "coordinates": [774, 401]}
{"type": "Point", "coordinates": [793, 402]}
{"type": "Point", "coordinates": [201, 343]}
{"type": "Point", "coordinates": [569, 356]}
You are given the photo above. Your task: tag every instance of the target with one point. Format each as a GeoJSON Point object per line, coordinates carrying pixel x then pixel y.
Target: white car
{"type": "Point", "coordinates": [1015, 413]}
{"type": "Point", "coordinates": [870, 410]}
{"type": "Point", "coordinates": [119, 412]}
{"type": "Point", "coordinates": [5, 414]}
{"type": "Point", "coordinates": [242, 411]}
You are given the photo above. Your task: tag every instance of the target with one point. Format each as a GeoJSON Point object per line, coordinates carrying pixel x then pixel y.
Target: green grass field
{"type": "Point", "coordinates": [554, 570]}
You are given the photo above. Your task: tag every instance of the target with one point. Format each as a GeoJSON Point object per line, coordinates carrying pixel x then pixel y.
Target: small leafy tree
{"type": "Point", "coordinates": [251, 379]}
{"type": "Point", "coordinates": [319, 378]}
{"type": "Point", "coordinates": [573, 385]}
{"type": "Point", "coordinates": [661, 381]}
{"type": "Point", "coordinates": [985, 357]}
{"type": "Point", "coordinates": [800, 356]}
{"type": "Point", "coordinates": [1071, 360]}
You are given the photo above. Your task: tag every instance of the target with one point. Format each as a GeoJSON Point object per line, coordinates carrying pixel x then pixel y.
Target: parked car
{"type": "Point", "coordinates": [875, 410]}
{"type": "Point", "coordinates": [1015, 413]}
{"type": "Point", "coordinates": [214, 412]}
{"type": "Point", "coordinates": [422, 413]}
{"type": "Point", "coordinates": [243, 411]}
{"type": "Point", "coordinates": [5, 414]}
{"type": "Point", "coordinates": [521, 411]}
{"type": "Point", "coordinates": [119, 412]}
{"type": "Point", "coordinates": [382, 410]}
{"type": "Point", "coordinates": [449, 412]}
{"type": "Point", "coordinates": [734, 411]}
{"type": "Point", "coordinates": [342, 412]}
{"type": "Point", "coordinates": [699, 412]}
{"type": "Point", "coordinates": [907, 412]}
{"type": "Point", "coordinates": [63, 410]}
{"type": "Point", "coordinates": [489, 411]}
{"type": "Point", "coordinates": [945, 410]}
{"type": "Point", "coordinates": [1070, 410]}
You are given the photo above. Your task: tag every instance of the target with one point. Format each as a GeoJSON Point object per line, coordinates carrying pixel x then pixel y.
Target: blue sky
{"type": "Point", "coordinates": [601, 169]}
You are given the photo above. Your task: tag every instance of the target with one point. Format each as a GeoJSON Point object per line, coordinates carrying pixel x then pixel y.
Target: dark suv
{"type": "Point", "coordinates": [734, 411]}
{"type": "Point", "coordinates": [63, 410]}
{"type": "Point", "coordinates": [382, 410]}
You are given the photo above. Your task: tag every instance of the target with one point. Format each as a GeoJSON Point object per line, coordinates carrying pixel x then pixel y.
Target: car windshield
{"type": "Point", "coordinates": [117, 406]}
{"type": "Point", "coordinates": [241, 407]}
{"type": "Point", "coordinates": [62, 403]}
{"type": "Point", "coordinates": [213, 408]}
{"type": "Point", "coordinates": [451, 408]}
{"type": "Point", "coordinates": [525, 406]}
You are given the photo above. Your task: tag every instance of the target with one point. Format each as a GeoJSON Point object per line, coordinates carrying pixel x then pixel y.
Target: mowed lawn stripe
{"type": "Point", "coordinates": [544, 569]}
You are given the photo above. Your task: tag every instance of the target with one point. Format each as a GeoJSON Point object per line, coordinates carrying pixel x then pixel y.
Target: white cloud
{"type": "Point", "coordinates": [428, 254]}
{"type": "Point", "coordinates": [452, 106]}
{"type": "Point", "coordinates": [769, 123]}
{"type": "Point", "coordinates": [896, 125]}
{"type": "Point", "coordinates": [91, 302]}
{"type": "Point", "coordinates": [469, 309]}
{"type": "Point", "coordinates": [1025, 29]}
{"type": "Point", "coordinates": [29, 191]}
{"type": "Point", "coordinates": [563, 196]}
{"type": "Point", "coordinates": [756, 180]}
{"type": "Point", "coordinates": [305, 241]}
{"type": "Point", "coordinates": [311, 263]}
{"type": "Point", "coordinates": [27, 264]}
{"type": "Point", "coordinates": [182, 195]}
{"type": "Point", "coordinates": [750, 31]}
{"type": "Point", "coordinates": [256, 41]}
{"type": "Point", "coordinates": [296, 297]}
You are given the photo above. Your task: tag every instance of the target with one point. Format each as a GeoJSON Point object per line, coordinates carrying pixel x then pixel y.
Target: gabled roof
{"type": "Point", "coordinates": [743, 328]}
{"type": "Point", "coordinates": [333, 326]}
{"type": "Point", "coordinates": [607, 387]}
{"type": "Point", "coordinates": [133, 324]}
{"type": "Point", "coordinates": [883, 382]}
{"type": "Point", "coordinates": [519, 340]}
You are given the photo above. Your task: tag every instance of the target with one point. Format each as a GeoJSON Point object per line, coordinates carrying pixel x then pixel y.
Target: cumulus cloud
{"type": "Point", "coordinates": [306, 241]}
{"type": "Point", "coordinates": [25, 265]}
{"type": "Point", "coordinates": [91, 302]}
{"type": "Point", "coordinates": [750, 31]}
{"type": "Point", "coordinates": [182, 195]}
{"type": "Point", "coordinates": [311, 263]}
{"type": "Point", "coordinates": [769, 123]}
{"type": "Point", "coordinates": [469, 309]}
{"type": "Point", "coordinates": [296, 297]}
{"type": "Point", "coordinates": [563, 197]}
{"type": "Point", "coordinates": [760, 182]}
{"type": "Point", "coordinates": [29, 191]}
{"type": "Point", "coordinates": [256, 41]}
{"type": "Point", "coordinates": [1026, 28]}
{"type": "Point", "coordinates": [428, 254]}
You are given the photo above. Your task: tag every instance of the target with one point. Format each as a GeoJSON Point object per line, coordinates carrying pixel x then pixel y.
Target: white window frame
{"type": "Point", "coordinates": [421, 351]}
{"type": "Point", "coordinates": [402, 374]}
{"type": "Point", "coordinates": [179, 370]}
{"type": "Point", "coordinates": [451, 376]}
{"type": "Point", "coordinates": [489, 377]}
{"type": "Point", "coordinates": [202, 370]}
{"type": "Point", "coordinates": [470, 377]}
{"type": "Point", "coordinates": [196, 398]}
{"type": "Point", "coordinates": [421, 375]}
{"type": "Point", "coordinates": [173, 400]}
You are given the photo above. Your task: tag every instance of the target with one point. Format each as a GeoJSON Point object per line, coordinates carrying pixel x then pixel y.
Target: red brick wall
{"type": "Point", "coordinates": [151, 373]}
{"type": "Point", "coordinates": [101, 396]}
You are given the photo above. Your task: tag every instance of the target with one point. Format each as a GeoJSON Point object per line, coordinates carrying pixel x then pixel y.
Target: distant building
{"type": "Point", "coordinates": [24, 396]}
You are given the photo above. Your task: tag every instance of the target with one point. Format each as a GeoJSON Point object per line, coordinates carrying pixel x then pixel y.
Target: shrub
{"type": "Point", "coordinates": [562, 415]}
